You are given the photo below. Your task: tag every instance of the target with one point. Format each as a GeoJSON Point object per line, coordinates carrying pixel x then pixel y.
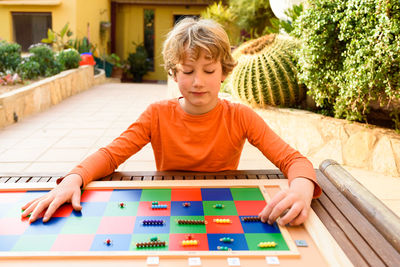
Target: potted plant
{"type": "Point", "coordinates": [139, 63]}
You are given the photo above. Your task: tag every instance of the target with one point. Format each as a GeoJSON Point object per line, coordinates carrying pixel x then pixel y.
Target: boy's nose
{"type": "Point", "coordinates": [198, 80]}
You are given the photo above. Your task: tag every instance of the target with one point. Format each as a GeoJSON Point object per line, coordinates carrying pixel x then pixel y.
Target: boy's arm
{"type": "Point", "coordinates": [293, 204]}
{"type": "Point", "coordinates": [97, 165]}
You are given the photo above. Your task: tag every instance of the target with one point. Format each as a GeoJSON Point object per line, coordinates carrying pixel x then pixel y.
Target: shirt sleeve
{"type": "Point", "coordinates": [104, 161]}
{"type": "Point", "coordinates": [288, 160]}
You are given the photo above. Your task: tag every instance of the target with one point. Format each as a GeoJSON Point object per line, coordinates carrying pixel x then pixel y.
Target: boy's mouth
{"type": "Point", "coordinates": [199, 93]}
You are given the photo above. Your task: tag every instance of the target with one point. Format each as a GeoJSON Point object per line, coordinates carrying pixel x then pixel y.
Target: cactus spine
{"type": "Point", "coordinates": [266, 74]}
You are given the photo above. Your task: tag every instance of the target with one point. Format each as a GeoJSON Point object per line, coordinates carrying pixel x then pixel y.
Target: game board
{"type": "Point", "coordinates": [112, 219]}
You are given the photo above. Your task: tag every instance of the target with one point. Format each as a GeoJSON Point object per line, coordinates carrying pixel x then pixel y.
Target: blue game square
{"type": "Point", "coordinates": [121, 195]}
{"type": "Point", "coordinates": [31, 195]}
{"type": "Point", "coordinates": [151, 229]}
{"type": "Point", "coordinates": [7, 242]}
{"type": "Point", "coordinates": [216, 194]}
{"type": "Point", "coordinates": [259, 227]}
{"type": "Point", "coordinates": [239, 241]}
{"type": "Point", "coordinates": [91, 209]}
{"type": "Point", "coordinates": [118, 243]}
{"type": "Point", "coordinates": [53, 226]}
{"type": "Point", "coordinates": [195, 209]}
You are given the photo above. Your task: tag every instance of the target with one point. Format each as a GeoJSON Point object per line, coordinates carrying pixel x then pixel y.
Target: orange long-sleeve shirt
{"type": "Point", "coordinates": [209, 142]}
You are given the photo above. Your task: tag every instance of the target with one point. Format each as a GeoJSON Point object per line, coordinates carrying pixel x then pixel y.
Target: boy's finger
{"type": "Point", "coordinates": [265, 213]}
{"type": "Point", "coordinates": [54, 205]}
{"type": "Point", "coordinates": [76, 201]}
{"type": "Point", "coordinates": [39, 208]}
{"type": "Point", "coordinates": [291, 215]}
{"type": "Point", "coordinates": [301, 218]}
{"type": "Point", "coordinates": [277, 211]}
{"type": "Point", "coordinates": [28, 210]}
{"type": "Point", "coordinates": [24, 207]}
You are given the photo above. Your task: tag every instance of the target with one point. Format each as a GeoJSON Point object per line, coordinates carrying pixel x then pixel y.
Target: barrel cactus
{"type": "Point", "coordinates": [266, 74]}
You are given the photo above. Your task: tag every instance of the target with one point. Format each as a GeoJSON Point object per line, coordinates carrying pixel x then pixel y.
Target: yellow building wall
{"type": "Point", "coordinates": [89, 14]}
{"type": "Point", "coordinates": [129, 28]}
{"type": "Point", "coordinates": [79, 14]}
{"type": "Point", "coordinates": [65, 12]}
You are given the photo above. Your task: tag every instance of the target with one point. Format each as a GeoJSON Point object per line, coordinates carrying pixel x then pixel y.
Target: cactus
{"type": "Point", "coordinates": [266, 74]}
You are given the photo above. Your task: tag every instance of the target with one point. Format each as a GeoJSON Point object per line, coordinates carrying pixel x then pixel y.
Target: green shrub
{"type": "Point", "coordinates": [10, 56]}
{"type": "Point", "coordinates": [69, 59]}
{"type": "Point", "coordinates": [43, 55]}
{"type": "Point", "coordinates": [139, 63]}
{"type": "Point", "coordinates": [28, 69]}
{"type": "Point", "coordinates": [350, 54]}
{"type": "Point", "coordinates": [266, 73]}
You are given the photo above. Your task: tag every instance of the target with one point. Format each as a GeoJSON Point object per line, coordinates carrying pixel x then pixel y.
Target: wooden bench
{"type": "Point", "coordinates": [366, 230]}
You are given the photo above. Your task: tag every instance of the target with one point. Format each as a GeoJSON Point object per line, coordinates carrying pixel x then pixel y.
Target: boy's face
{"type": "Point", "coordinates": [199, 82]}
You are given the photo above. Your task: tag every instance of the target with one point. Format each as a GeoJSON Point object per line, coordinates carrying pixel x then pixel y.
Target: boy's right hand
{"type": "Point", "coordinates": [69, 190]}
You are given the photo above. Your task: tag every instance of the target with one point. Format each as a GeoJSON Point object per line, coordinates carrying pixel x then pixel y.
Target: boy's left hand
{"type": "Point", "coordinates": [291, 205]}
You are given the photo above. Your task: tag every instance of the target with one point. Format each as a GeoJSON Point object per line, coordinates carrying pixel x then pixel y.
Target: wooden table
{"type": "Point", "coordinates": [356, 233]}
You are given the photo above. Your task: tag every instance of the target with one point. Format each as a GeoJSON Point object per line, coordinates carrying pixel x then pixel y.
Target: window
{"type": "Point", "coordinates": [149, 35]}
{"type": "Point", "coordinates": [30, 28]}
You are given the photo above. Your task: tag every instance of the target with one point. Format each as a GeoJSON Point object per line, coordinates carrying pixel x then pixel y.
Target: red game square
{"type": "Point", "coordinates": [145, 209]}
{"type": "Point", "coordinates": [13, 226]}
{"type": "Point", "coordinates": [235, 227]}
{"type": "Point", "coordinates": [96, 195]}
{"type": "Point", "coordinates": [186, 194]}
{"type": "Point", "coordinates": [249, 208]}
{"type": "Point", "coordinates": [10, 197]}
{"type": "Point", "coordinates": [175, 242]}
{"type": "Point", "coordinates": [117, 225]}
{"type": "Point", "coordinates": [73, 242]}
{"type": "Point", "coordinates": [63, 211]}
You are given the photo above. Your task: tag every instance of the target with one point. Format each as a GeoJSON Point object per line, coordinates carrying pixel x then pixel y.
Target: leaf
{"type": "Point", "coordinates": [64, 30]}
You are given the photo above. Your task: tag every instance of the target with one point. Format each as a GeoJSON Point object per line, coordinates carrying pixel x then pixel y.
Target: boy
{"type": "Point", "coordinates": [197, 132]}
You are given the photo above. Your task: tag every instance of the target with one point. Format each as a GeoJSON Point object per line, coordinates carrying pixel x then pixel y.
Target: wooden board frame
{"type": "Point", "coordinates": [262, 185]}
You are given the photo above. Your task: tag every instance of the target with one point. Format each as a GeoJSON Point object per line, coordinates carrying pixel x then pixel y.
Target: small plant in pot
{"type": "Point", "coordinates": [139, 63]}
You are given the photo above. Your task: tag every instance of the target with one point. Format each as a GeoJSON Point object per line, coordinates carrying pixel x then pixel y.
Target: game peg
{"type": "Point", "coordinates": [186, 204]}
{"type": "Point", "coordinates": [122, 205]}
{"type": "Point", "coordinates": [154, 203]}
{"type": "Point", "coordinates": [180, 221]}
{"type": "Point", "coordinates": [153, 222]}
{"type": "Point", "coordinates": [108, 242]}
{"type": "Point", "coordinates": [190, 242]}
{"type": "Point", "coordinates": [189, 237]}
{"type": "Point", "coordinates": [222, 221]}
{"type": "Point", "coordinates": [224, 248]}
{"type": "Point", "coordinates": [154, 238]}
{"type": "Point", "coordinates": [158, 206]}
{"type": "Point", "coordinates": [226, 240]}
{"type": "Point", "coordinates": [151, 244]}
{"type": "Point", "coordinates": [219, 206]}
{"type": "Point", "coordinates": [251, 219]}
{"type": "Point", "coordinates": [267, 244]}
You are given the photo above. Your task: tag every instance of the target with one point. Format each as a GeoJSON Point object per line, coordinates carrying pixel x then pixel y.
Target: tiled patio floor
{"type": "Point", "coordinates": [59, 138]}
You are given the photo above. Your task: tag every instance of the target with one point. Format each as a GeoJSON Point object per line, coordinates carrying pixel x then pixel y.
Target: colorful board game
{"type": "Point", "coordinates": [139, 220]}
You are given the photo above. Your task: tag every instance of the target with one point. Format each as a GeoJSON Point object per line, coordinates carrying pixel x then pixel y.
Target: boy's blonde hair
{"type": "Point", "coordinates": [192, 35]}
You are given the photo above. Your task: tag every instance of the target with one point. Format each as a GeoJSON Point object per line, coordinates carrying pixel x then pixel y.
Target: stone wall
{"type": "Point", "coordinates": [43, 94]}
{"type": "Point", "coordinates": [319, 137]}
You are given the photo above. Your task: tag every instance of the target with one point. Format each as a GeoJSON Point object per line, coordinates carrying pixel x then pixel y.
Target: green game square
{"type": "Point", "coordinates": [35, 243]}
{"type": "Point", "coordinates": [114, 209]}
{"type": "Point", "coordinates": [136, 238]}
{"type": "Point", "coordinates": [14, 211]}
{"type": "Point", "coordinates": [249, 193]}
{"type": "Point", "coordinates": [81, 225]}
{"type": "Point", "coordinates": [156, 195]}
{"type": "Point", "coordinates": [254, 239]}
{"type": "Point", "coordinates": [176, 228]}
{"type": "Point", "coordinates": [228, 209]}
